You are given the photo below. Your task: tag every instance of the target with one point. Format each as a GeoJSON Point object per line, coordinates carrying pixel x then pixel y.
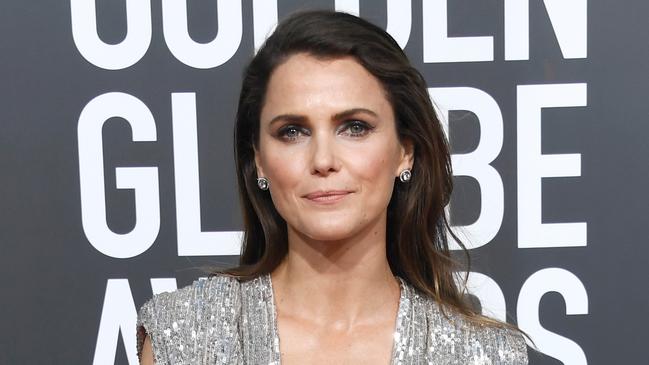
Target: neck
{"type": "Point", "coordinates": [346, 280]}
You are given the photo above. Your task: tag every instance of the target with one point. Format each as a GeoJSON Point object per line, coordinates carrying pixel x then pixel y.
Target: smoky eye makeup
{"type": "Point", "coordinates": [291, 132]}
{"type": "Point", "coordinates": [291, 127]}
{"type": "Point", "coordinates": [356, 128]}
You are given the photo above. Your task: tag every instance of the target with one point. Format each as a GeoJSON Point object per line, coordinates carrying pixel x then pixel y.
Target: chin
{"type": "Point", "coordinates": [327, 232]}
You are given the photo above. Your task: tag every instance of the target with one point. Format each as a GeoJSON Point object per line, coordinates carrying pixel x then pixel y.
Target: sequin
{"type": "Point", "coordinates": [222, 321]}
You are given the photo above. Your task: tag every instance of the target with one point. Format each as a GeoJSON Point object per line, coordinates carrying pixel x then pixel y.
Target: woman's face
{"type": "Point", "coordinates": [328, 146]}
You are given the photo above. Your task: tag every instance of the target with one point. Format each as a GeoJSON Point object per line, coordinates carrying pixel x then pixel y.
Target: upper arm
{"type": "Point", "coordinates": [147, 352]}
{"type": "Point", "coordinates": [146, 327]}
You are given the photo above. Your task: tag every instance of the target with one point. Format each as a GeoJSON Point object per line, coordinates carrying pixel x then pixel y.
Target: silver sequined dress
{"type": "Point", "coordinates": [222, 321]}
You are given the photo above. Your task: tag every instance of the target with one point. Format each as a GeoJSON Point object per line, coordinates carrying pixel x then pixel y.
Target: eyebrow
{"type": "Point", "coordinates": [296, 118]}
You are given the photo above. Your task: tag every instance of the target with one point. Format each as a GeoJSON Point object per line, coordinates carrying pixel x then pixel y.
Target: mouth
{"type": "Point", "coordinates": [327, 197]}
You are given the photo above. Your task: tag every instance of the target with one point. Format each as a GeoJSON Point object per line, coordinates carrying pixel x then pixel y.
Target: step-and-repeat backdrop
{"type": "Point", "coordinates": [116, 122]}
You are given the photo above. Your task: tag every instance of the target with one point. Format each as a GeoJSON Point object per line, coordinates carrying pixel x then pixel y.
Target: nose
{"type": "Point", "coordinates": [323, 155]}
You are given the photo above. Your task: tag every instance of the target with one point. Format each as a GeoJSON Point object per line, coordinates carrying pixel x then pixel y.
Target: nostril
{"type": "Point", "coordinates": [324, 160]}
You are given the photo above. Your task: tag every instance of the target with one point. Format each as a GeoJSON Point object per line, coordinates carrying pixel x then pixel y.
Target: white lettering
{"type": "Point", "coordinates": [264, 17]}
{"type": "Point", "coordinates": [533, 166]}
{"type": "Point", "coordinates": [191, 240]}
{"type": "Point", "coordinates": [399, 17]}
{"type": "Point", "coordinates": [111, 56]}
{"type": "Point", "coordinates": [199, 55]}
{"type": "Point", "coordinates": [143, 180]}
{"type": "Point", "coordinates": [399, 20]}
{"type": "Point", "coordinates": [574, 294]}
{"type": "Point", "coordinates": [487, 290]}
{"type": "Point", "coordinates": [569, 22]}
{"type": "Point", "coordinates": [118, 314]}
{"type": "Point", "coordinates": [477, 163]}
{"type": "Point", "coordinates": [162, 285]}
{"type": "Point", "coordinates": [348, 6]}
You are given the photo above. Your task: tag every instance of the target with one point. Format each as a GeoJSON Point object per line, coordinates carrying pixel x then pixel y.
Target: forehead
{"type": "Point", "coordinates": [306, 84]}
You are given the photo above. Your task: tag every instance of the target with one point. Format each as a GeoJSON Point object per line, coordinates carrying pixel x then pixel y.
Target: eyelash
{"type": "Point", "coordinates": [282, 132]}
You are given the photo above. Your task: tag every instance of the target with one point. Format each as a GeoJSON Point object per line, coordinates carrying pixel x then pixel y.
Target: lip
{"type": "Point", "coordinates": [327, 197]}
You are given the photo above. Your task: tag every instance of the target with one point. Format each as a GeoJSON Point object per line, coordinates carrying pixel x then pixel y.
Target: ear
{"type": "Point", "coordinates": [260, 170]}
{"type": "Point", "coordinates": [407, 155]}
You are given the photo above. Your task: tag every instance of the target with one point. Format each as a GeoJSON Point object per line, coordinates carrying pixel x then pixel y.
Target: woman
{"type": "Point", "coordinates": [341, 262]}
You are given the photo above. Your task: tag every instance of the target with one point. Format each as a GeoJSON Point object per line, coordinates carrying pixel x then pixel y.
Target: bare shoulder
{"type": "Point", "coordinates": [170, 317]}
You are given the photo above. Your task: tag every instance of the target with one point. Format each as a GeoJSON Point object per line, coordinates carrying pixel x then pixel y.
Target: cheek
{"type": "Point", "coordinates": [374, 168]}
{"type": "Point", "coordinates": [285, 171]}
{"type": "Point", "coordinates": [375, 161]}
{"type": "Point", "coordinates": [278, 162]}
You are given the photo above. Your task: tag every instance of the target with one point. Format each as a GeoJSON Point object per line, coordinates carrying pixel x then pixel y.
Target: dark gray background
{"type": "Point", "coordinates": [53, 281]}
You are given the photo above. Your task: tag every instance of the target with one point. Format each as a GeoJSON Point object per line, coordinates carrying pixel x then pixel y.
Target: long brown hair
{"type": "Point", "coordinates": [417, 226]}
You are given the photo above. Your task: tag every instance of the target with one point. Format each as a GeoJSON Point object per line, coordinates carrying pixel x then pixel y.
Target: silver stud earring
{"type": "Point", "coordinates": [262, 182]}
{"type": "Point", "coordinates": [405, 175]}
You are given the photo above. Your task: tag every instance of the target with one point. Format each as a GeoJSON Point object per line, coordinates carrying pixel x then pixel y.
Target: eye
{"type": "Point", "coordinates": [357, 128]}
{"type": "Point", "coordinates": [290, 132]}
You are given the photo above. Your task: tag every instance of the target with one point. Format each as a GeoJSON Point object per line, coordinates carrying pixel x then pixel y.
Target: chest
{"type": "Point", "coordinates": [272, 336]}
{"type": "Point", "coordinates": [363, 344]}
